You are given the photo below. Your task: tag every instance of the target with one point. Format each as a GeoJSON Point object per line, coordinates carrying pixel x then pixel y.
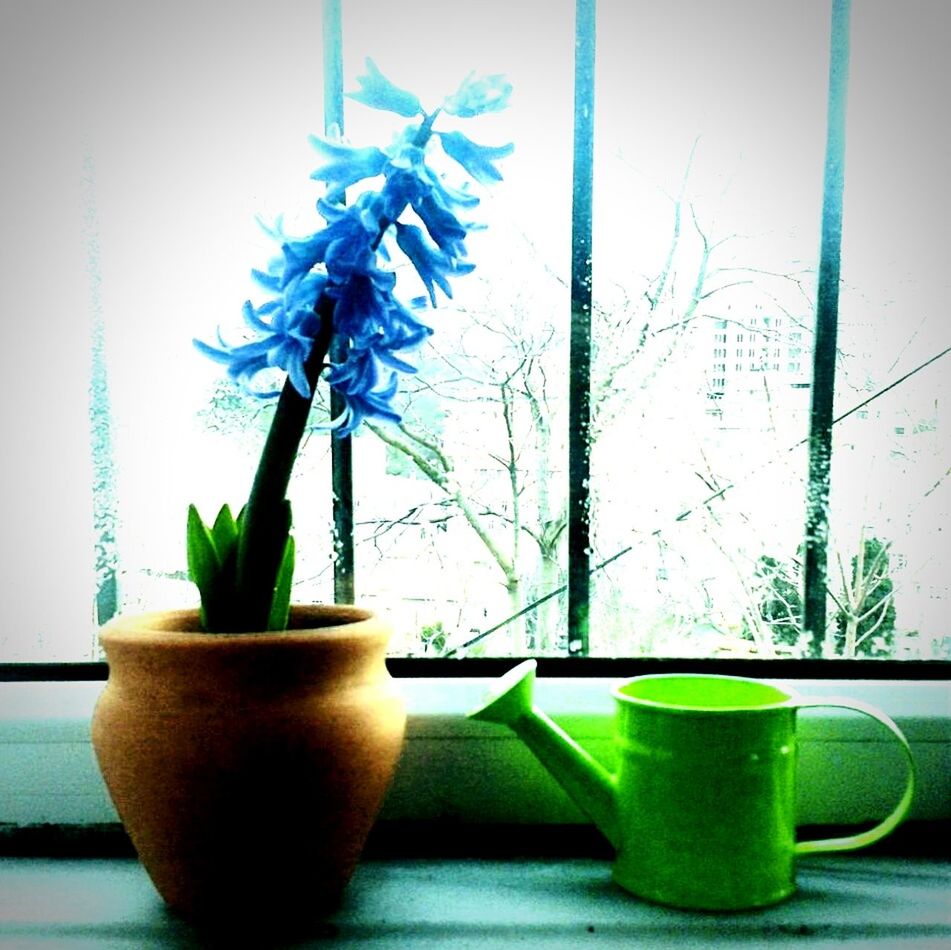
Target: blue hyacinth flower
{"type": "Point", "coordinates": [346, 260]}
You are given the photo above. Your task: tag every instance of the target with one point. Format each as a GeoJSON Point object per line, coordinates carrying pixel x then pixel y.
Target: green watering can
{"type": "Point", "coordinates": [701, 810]}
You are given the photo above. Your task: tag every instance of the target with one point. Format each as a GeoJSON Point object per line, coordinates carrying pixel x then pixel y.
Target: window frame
{"type": "Point", "coordinates": [48, 773]}
{"type": "Point", "coordinates": [458, 770]}
{"type": "Point", "coordinates": [558, 667]}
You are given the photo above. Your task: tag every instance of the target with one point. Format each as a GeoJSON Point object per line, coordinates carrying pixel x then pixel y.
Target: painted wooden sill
{"type": "Point", "coordinates": [853, 901]}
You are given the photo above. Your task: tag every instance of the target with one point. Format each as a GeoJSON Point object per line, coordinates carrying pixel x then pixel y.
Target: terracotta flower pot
{"type": "Point", "coordinates": [248, 768]}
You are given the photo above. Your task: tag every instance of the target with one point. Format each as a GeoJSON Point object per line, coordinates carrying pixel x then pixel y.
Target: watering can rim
{"type": "Point", "coordinates": [786, 698]}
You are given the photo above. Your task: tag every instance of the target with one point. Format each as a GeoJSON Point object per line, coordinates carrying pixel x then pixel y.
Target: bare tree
{"type": "Point", "coordinates": [866, 605]}
{"type": "Point", "coordinates": [519, 382]}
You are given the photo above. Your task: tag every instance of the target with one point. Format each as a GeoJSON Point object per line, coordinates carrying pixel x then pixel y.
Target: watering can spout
{"type": "Point", "coordinates": [591, 787]}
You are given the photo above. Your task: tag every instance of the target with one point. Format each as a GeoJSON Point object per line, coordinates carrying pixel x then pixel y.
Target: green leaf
{"type": "Point", "coordinates": [204, 566]}
{"type": "Point", "coordinates": [281, 602]}
{"type": "Point", "coordinates": [225, 533]}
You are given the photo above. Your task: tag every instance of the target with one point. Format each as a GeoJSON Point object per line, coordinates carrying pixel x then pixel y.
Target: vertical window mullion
{"type": "Point", "coordinates": [341, 449]}
{"type": "Point", "coordinates": [579, 394]}
{"type": "Point", "coordinates": [824, 350]}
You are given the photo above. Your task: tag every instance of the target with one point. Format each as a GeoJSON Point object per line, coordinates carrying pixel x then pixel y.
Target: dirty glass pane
{"type": "Point", "coordinates": [890, 512]}
{"type": "Point", "coordinates": [459, 513]}
{"type": "Point", "coordinates": [725, 392]}
{"type": "Point", "coordinates": [142, 141]}
{"type": "Point", "coordinates": [706, 252]}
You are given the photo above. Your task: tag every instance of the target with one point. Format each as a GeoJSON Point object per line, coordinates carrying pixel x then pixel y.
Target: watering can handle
{"type": "Point", "coordinates": [865, 838]}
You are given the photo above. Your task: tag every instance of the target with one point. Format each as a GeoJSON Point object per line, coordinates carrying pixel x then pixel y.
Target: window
{"type": "Point", "coordinates": [143, 182]}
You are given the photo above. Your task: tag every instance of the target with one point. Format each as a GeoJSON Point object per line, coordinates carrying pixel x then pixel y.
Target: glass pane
{"type": "Point", "coordinates": [146, 141]}
{"type": "Point", "coordinates": [147, 149]}
{"type": "Point", "coordinates": [459, 513]}
{"type": "Point", "coordinates": [891, 500]}
{"type": "Point", "coordinates": [708, 219]}
{"type": "Point", "coordinates": [720, 383]}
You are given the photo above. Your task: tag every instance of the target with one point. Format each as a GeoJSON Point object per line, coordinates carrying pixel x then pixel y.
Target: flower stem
{"type": "Point", "coordinates": [263, 536]}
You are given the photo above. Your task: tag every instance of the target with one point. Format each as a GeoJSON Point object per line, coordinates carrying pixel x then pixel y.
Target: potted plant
{"type": "Point", "coordinates": [248, 744]}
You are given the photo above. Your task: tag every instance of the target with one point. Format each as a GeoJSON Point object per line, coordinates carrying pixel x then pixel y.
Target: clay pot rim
{"type": "Point", "coordinates": [180, 627]}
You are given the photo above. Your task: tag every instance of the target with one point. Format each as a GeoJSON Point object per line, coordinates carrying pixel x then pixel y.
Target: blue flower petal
{"type": "Point", "coordinates": [361, 403]}
{"type": "Point", "coordinates": [219, 356]}
{"type": "Point", "coordinates": [348, 165]}
{"type": "Point", "coordinates": [253, 319]}
{"type": "Point", "coordinates": [378, 92]}
{"type": "Point", "coordinates": [394, 362]}
{"type": "Point", "coordinates": [403, 187]}
{"type": "Point", "coordinates": [284, 342]}
{"type": "Point", "coordinates": [330, 211]}
{"type": "Point", "coordinates": [432, 264]}
{"type": "Point", "coordinates": [429, 261]}
{"type": "Point", "coordinates": [268, 280]}
{"type": "Point", "coordinates": [301, 255]}
{"type": "Point", "coordinates": [295, 371]}
{"type": "Point", "coordinates": [443, 226]}
{"type": "Point", "coordinates": [475, 159]}
{"type": "Point", "coordinates": [478, 95]}
{"type": "Point", "coordinates": [449, 195]}
{"type": "Point", "coordinates": [358, 308]}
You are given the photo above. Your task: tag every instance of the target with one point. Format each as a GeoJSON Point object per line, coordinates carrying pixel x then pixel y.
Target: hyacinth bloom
{"type": "Point", "coordinates": [347, 261]}
{"type": "Point", "coordinates": [338, 285]}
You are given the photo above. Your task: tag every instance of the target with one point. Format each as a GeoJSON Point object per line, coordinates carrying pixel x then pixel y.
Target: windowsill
{"type": "Point", "coordinates": [875, 901]}
{"type": "Point", "coordinates": [455, 769]}
{"type": "Point", "coordinates": [457, 779]}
